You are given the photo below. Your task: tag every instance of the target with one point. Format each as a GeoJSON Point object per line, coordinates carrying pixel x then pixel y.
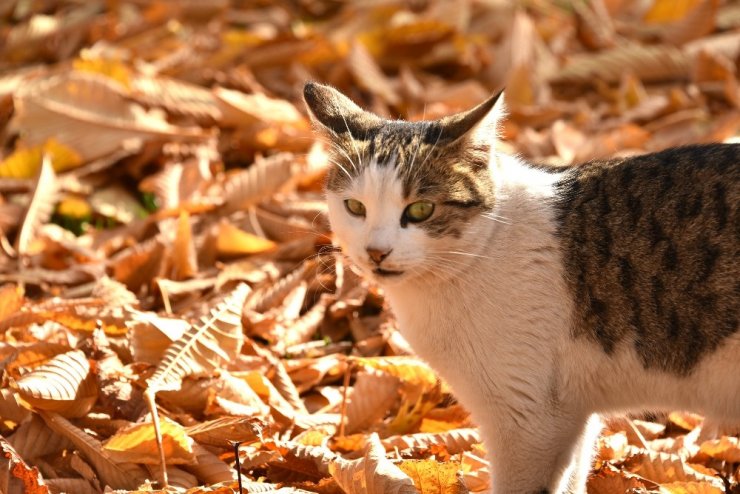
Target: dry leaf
{"type": "Point", "coordinates": [117, 475]}
{"type": "Point", "coordinates": [21, 476]}
{"type": "Point", "coordinates": [235, 242]}
{"type": "Point", "coordinates": [371, 474]}
{"type": "Point", "coordinates": [433, 477]}
{"type": "Point", "coordinates": [63, 385]}
{"type": "Point", "coordinates": [725, 449]}
{"type": "Point", "coordinates": [203, 347]}
{"type": "Point", "coordinates": [186, 161]}
{"type": "Point", "coordinates": [39, 209]}
{"type": "Point", "coordinates": [94, 113]}
{"type": "Point", "coordinates": [372, 397]}
{"type": "Point", "coordinates": [136, 444]}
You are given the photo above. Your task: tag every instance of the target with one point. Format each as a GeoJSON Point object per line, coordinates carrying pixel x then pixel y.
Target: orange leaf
{"type": "Point", "coordinates": [138, 444]}
{"type": "Point", "coordinates": [233, 241]}
{"type": "Point", "coordinates": [11, 300]}
{"type": "Point", "coordinates": [725, 449]}
{"type": "Point", "coordinates": [669, 10]}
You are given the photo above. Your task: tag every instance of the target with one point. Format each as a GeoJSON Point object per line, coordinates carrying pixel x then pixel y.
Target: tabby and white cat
{"type": "Point", "coordinates": [544, 296]}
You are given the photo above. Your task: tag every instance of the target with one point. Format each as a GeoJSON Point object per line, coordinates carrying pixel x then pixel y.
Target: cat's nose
{"type": "Point", "coordinates": [377, 255]}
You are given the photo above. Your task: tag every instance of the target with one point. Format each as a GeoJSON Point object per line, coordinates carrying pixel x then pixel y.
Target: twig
{"type": "Point", "coordinates": [238, 465]}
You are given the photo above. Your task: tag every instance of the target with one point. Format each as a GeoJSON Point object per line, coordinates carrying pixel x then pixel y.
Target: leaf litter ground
{"type": "Point", "coordinates": [165, 249]}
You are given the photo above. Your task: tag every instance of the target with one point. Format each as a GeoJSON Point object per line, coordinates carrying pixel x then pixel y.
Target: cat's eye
{"type": "Point", "coordinates": [355, 207]}
{"type": "Point", "coordinates": [418, 211]}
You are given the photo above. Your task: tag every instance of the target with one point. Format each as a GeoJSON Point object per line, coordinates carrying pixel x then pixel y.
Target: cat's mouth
{"type": "Point", "coordinates": [386, 273]}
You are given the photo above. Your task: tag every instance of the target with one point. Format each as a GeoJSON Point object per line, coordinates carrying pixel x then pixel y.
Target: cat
{"type": "Point", "coordinates": [544, 296]}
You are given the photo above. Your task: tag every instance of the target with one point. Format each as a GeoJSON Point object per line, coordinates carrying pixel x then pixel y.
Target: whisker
{"type": "Point", "coordinates": [462, 253]}
{"type": "Point", "coordinates": [498, 219]}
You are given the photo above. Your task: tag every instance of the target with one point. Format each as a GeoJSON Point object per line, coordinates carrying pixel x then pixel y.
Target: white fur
{"type": "Point", "coordinates": [494, 319]}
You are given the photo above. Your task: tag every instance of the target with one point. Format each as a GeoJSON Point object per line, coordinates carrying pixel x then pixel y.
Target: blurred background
{"type": "Point", "coordinates": [583, 79]}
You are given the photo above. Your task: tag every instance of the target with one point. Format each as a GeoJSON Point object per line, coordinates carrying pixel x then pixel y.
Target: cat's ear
{"type": "Point", "coordinates": [484, 118]}
{"type": "Point", "coordinates": [337, 113]}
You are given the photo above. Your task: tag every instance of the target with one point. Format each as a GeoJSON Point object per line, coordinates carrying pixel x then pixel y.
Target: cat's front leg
{"type": "Point", "coordinates": [532, 454]}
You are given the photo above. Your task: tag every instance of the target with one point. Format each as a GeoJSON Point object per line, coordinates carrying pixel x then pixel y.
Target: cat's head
{"type": "Point", "coordinates": [404, 197]}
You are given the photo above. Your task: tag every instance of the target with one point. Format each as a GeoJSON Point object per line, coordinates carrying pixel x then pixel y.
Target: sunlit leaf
{"type": "Point", "coordinates": [433, 477]}
{"type": "Point", "coordinates": [63, 385]}
{"type": "Point", "coordinates": [137, 444]}
{"type": "Point", "coordinates": [371, 474]}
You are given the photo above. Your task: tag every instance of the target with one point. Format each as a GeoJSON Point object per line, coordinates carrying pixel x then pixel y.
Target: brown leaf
{"type": "Point", "coordinates": [216, 340]}
{"type": "Point", "coordinates": [648, 63]}
{"type": "Point", "coordinates": [184, 256]}
{"type": "Point", "coordinates": [90, 114]}
{"type": "Point", "coordinates": [454, 441]}
{"type": "Point", "coordinates": [610, 480]}
{"type": "Point", "coordinates": [117, 475]}
{"type": "Point", "coordinates": [239, 109]}
{"type": "Point", "coordinates": [665, 467]}
{"type": "Point", "coordinates": [372, 397]}
{"type": "Point", "coordinates": [368, 74]}
{"type": "Point", "coordinates": [63, 385]}
{"type": "Point", "coordinates": [22, 476]}
{"type": "Point", "coordinates": [258, 182]}
{"type": "Point", "coordinates": [33, 439]}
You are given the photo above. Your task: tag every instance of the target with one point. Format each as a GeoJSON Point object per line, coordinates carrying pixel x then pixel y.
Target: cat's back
{"type": "Point", "coordinates": [651, 248]}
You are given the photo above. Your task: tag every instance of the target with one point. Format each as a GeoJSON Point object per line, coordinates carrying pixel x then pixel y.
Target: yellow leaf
{"type": "Point", "coordinates": [433, 426]}
{"type": "Point", "coordinates": [11, 300]}
{"type": "Point", "coordinates": [351, 443]}
{"type": "Point", "coordinates": [113, 69]}
{"type": "Point", "coordinates": [725, 448]}
{"type": "Point", "coordinates": [433, 477]}
{"type": "Point", "coordinates": [241, 38]}
{"type": "Point", "coordinates": [25, 162]}
{"type": "Point", "coordinates": [685, 420]}
{"type": "Point", "coordinates": [78, 320]}
{"type": "Point", "coordinates": [137, 444]}
{"type": "Point", "coordinates": [669, 10]}
{"type": "Point", "coordinates": [74, 207]}
{"type": "Point", "coordinates": [690, 488]}
{"type": "Point", "coordinates": [409, 370]}
{"type": "Point", "coordinates": [256, 381]}
{"type": "Point", "coordinates": [234, 241]}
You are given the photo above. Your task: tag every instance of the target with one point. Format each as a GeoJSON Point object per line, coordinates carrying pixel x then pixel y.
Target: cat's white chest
{"type": "Point", "coordinates": [436, 329]}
